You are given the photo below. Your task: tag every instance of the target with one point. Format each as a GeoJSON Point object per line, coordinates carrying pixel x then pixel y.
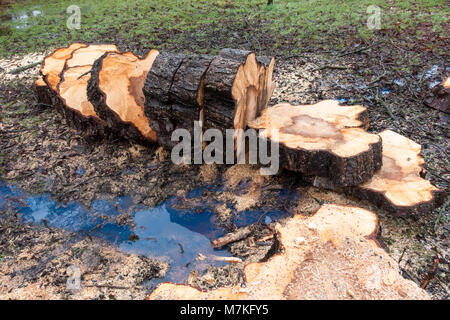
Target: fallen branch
{"type": "Point", "coordinates": [330, 66]}
{"type": "Point", "coordinates": [21, 69]}
{"type": "Point", "coordinates": [234, 236]}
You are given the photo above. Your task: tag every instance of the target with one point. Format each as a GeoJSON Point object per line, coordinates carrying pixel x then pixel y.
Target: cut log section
{"type": "Point", "coordinates": [222, 92]}
{"type": "Point", "coordinates": [324, 139]}
{"type": "Point", "coordinates": [54, 63]}
{"type": "Point", "coordinates": [42, 91]}
{"type": "Point", "coordinates": [87, 55]}
{"type": "Point", "coordinates": [174, 93]}
{"type": "Point", "coordinates": [67, 71]}
{"type": "Point", "coordinates": [115, 90]}
{"type": "Point", "coordinates": [398, 187]}
{"type": "Point", "coordinates": [331, 255]}
{"type": "Point", "coordinates": [238, 86]}
{"type": "Point", "coordinates": [440, 97]}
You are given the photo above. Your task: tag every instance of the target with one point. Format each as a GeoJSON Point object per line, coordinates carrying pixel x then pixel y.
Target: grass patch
{"type": "Point", "coordinates": [207, 25]}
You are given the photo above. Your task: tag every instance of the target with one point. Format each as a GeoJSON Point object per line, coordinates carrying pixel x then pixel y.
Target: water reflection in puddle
{"type": "Point", "coordinates": [177, 231]}
{"type": "Point", "coordinates": [22, 17]}
{"type": "Point", "coordinates": [163, 232]}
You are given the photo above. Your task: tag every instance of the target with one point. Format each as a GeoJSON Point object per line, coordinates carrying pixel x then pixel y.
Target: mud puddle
{"type": "Point", "coordinates": [179, 237]}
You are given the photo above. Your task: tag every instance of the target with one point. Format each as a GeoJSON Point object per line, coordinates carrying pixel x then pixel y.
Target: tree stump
{"type": "Point", "coordinates": [324, 139]}
{"type": "Point", "coordinates": [399, 187]}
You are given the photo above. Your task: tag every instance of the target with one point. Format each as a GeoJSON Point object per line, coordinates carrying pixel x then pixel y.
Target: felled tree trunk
{"type": "Point", "coordinates": [440, 97]}
{"type": "Point", "coordinates": [115, 90]}
{"type": "Point", "coordinates": [325, 140]}
{"type": "Point", "coordinates": [223, 92]}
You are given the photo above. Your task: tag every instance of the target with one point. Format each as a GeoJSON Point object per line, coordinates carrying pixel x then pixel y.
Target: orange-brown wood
{"type": "Point", "coordinates": [53, 64]}
{"type": "Point", "coordinates": [72, 90]}
{"type": "Point", "coordinates": [399, 185]}
{"type": "Point", "coordinates": [116, 92]}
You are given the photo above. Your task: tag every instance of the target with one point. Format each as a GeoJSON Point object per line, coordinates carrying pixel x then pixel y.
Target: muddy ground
{"type": "Point", "coordinates": [40, 154]}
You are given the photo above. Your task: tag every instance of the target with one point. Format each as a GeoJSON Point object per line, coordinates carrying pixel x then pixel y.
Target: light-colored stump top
{"type": "Point", "coordinates": [323, 126]}
{"type": "Point", "coordinates": [87, 55]}
{"type": "Point", "coordinates": [399, 178]}
{"type": "Point", "coordinates": [73, 80]}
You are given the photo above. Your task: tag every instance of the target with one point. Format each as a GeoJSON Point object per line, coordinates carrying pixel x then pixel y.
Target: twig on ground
{"type": "Point", "coordinates": [377, 79]}
{"type": "Point", "coordinates": [330, 66]}
{"type": "Point", "coordinates": [386, 107]}
{"type": "Point", "coordinates": [234, 236]}
{"type": "Point", "coordinates": [21, 69]}
{"type": "Point", "coordinates": [357, 50]}
{"type": "Point", "coordinates": [106, 286]}
{"type": "Point", "coordinates": [438, 218]}
{"type": "Point", "coordinates": [431, 273]}
{"type": "Point", "coordinates": [401, 256]}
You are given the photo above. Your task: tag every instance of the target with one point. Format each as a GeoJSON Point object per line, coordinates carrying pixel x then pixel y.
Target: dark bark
{"type": "Point", "coordinates": [381, 201]}
{"type": "Point", "coordinates": [161, 76]}
{"type": "Point", "coordinates": [175, 104]}
{"type": "Point", "coordinates": [43, 93]}
{"type": "Point", "coordinates": [340, 171]}
{"type": "Point", "coordinates": [219, 103]}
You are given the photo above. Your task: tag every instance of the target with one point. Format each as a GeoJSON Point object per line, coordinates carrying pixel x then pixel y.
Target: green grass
{"type": "Point", "coordinates": [207, 25]}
